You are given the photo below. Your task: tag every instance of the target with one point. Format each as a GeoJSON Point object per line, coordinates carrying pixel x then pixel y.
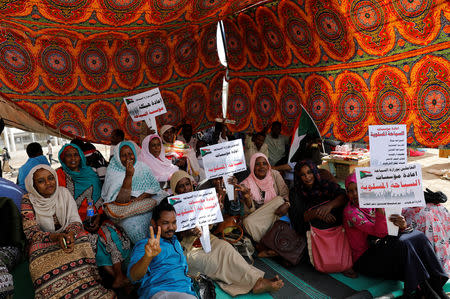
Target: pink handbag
{"type": "Point", "coordinates": [329, 249]}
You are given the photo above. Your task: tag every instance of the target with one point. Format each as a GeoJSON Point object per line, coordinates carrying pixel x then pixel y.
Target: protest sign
{"type": "Point", "coordinates": [390, 186]}
{"type": "Point", "coordinates": [387, 145]}
{"type": "Point", "coordinates": [223, 159]}
{"type": "Point", "coordinates": [145, 105]}
{"type": "Point", "coordinates": [198, 208]}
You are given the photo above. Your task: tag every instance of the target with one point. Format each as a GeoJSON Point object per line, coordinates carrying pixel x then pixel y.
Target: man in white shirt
{"type": "Point", "coordinates": [277, 144]}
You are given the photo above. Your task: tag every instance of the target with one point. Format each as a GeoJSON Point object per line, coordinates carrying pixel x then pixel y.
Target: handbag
{"type": "Point", "coordinates": [282, 239]}
{"type": "Point", "coordinates": [329, 249]}
{"type": "Point", "coordinates": [119, 211]}
{"type": "Point", "coordinates": [204, 287]}
{"type": "Point", "coordinates": [231, 231]}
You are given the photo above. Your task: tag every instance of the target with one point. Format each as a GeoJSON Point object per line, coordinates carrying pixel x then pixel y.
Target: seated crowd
{"type": "Point", "coordinates": [96, 229]}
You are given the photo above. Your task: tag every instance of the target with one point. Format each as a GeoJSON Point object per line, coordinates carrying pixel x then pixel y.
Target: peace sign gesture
{"type": "Point", "coordinates": [152, 247]}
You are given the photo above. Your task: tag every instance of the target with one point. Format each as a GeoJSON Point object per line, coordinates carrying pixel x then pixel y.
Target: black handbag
{"type": "Point", "coordinates": [204, 287]}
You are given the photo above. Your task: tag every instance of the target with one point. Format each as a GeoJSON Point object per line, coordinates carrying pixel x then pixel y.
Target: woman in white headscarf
{"type": "Point", "coordinates": [62, 263]}
{"type": "Point", "coordinates": [128, 180]}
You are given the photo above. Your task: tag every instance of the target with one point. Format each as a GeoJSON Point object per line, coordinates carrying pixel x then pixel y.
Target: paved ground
{"type": "Point", "coordinates": [428, 161]}
{"type": "Point", "coordinates": [431, 161]}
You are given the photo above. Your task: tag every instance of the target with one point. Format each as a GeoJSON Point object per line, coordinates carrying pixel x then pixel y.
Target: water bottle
{"type": "Point", "coordinates": [90, 214]}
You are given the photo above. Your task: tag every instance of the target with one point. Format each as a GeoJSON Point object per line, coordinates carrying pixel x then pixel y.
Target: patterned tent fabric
{"type": "Point", "coordinates": [351, 63]}
{"type": "Point", "coordinates": [71, 62]}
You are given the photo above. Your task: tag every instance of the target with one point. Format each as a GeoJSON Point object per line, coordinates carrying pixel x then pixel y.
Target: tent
{"type": "Point", "coordinates": [350, 63]}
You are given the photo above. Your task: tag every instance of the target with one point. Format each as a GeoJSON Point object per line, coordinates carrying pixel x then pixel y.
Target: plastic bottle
{"type": "Point", "coordinates": [90, 213]}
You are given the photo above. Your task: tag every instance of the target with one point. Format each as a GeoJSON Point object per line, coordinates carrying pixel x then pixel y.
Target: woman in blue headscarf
{"type": "Point", "coordinates": [128, 180]}
{"type": "Point", "coordinates": [113, 246]}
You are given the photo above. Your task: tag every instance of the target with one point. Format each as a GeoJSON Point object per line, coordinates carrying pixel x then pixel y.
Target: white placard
{"type": "Point", "coordinates": [196, 209]}
{"type": "Point", "coordinates": [223, 159]}
{"type": "Point", "coordinates": [387, 145]}
{"type": "Point", "coordinates": [390, 186]}
{"type": "Point", "coordinates": [145, 105]}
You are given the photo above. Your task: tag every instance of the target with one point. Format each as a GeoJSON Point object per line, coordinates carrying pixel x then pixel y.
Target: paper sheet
{"type": "Point", "coordinates": [151, 123]}
{"type": "Point", "coordinates": [229, 187]}
{"type": "Point", "coordinates": [392, 229]}
{"type": "Point", "coordinates": [205, 239]}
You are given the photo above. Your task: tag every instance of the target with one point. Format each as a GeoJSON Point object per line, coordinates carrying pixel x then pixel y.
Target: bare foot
{"type": "Point", "coordinates": [120, 281]}
{"type": "Point", "coordinates": [350, 273]}
{"type": "Point", "coordinates": [267, 253]}
{"type": "Point", "coordinates": [264, 285]}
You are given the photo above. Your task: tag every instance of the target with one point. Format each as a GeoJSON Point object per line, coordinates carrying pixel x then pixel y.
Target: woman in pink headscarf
{"type": "Point", "coordinates": [266, 197]}
{"type": "Point", "coordinates": [153, 155]}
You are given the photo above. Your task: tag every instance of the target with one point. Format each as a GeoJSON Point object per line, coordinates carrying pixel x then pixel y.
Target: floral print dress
{"type": "Point", "coordinates": [434, 221]}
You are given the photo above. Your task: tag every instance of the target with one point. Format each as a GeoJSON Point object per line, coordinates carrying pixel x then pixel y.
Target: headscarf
{"type": "Point", "coordinates": [161, 167]}
{"type": "Point", "coordinates": [84, 178]}
{"type": "Point", "coordinates": [303, 198]}
{"type": "Point", "coordinates": [143, 179]}
{"type": "Point", "coordinates": [178, 176]}
{"type": "Point", "coordinates": [60, 203]}
{"type": "Point", "coordinates": [163, 130]}
{"type": "Point", "coordinates": [350, 179]}
{"type": "Point", "coordinates": [256, 185]}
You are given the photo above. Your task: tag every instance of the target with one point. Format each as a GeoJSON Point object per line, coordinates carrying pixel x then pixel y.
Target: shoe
{"type": "Point", "coordinates": [414, 153]}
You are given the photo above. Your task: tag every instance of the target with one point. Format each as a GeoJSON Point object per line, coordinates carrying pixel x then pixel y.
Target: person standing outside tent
{"type": "Point", "coordinates": [6, 157]}
{"type": "Point", "coordinates": [2, 126]}
{"type": "Point", "coordinates": [50, 152]}
{"type": "Point", "coordinates": [277, 144]}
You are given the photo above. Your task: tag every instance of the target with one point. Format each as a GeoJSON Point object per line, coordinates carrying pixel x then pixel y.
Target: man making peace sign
{"type": "Point", "coordinates": [158, 263]}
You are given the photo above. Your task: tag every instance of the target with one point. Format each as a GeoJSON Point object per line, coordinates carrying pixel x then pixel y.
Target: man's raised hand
{"type": "Point", "coordinates": [152, 247]}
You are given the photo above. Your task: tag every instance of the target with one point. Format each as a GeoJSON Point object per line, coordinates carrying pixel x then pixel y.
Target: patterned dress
{"type": "Point", "coordinates": [56, 274]}
{"type": "Point", "coordinates": [434, 221]}
{"type": "Point", "coordinates": [110, 243]}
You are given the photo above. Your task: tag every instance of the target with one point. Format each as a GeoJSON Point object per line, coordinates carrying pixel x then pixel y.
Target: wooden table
{"type": "Point", "coordinates": [345, 167]}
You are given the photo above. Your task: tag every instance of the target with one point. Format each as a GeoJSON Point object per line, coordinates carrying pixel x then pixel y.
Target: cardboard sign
{"type": "Point", "coordinates": [390, 186]}
{"type": "Point", "coordinates": [145, 105]}
{"type": "Point", "coordinates": [387, 145]}
{"type": "Point", "coordinates": [196, 209]}
{"type": "Point", "coordinates": [223, 159]}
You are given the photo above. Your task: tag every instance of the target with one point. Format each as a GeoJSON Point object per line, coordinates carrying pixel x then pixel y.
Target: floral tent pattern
{"type": "Point", "coordinates": [350, 63]}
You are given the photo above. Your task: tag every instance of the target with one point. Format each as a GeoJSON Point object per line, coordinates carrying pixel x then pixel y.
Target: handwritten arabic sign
{"type": "Point", "coordinates": [387, 145]}
{"type": "Point", "coordinates": [223, 159]}
{"type": "Point", "coordinates": [198, 208]}
{"type": "Point", "coordinates": [390, 186]}
{"type": "Point", "coordinates": [145, 105]}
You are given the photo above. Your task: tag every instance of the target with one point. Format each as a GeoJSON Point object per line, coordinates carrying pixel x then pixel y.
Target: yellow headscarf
{"type": "Point", "coordinates": [178, 176]}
